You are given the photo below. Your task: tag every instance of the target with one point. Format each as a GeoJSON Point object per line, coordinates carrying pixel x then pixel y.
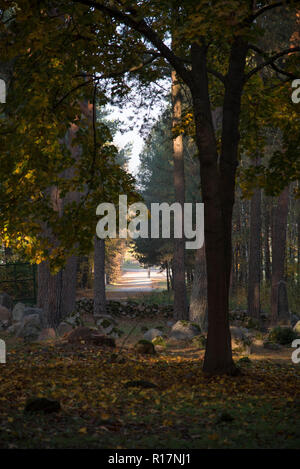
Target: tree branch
{"type": "Point", "coordinates": [271, 61]}
{"type": "Point", "coordinates": [217, 75]}
{"type": "Point", "coordinates": [266, 8]}
{"type": "Point", "coordinates": [142, 27]}
{"type": "Point", "coordinates": [277, 69]}
{"type": "Point", "coordinates": [94, 78]}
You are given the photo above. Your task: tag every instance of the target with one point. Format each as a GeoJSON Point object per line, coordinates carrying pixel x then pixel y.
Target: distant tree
{"type": "Point", "coordinates": [279, 230]}
{"type": "Point", "coordinates": [255, 255]}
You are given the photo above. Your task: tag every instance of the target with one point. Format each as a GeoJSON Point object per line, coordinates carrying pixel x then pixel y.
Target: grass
{"type": "Point", "coordinates": [163, 297]}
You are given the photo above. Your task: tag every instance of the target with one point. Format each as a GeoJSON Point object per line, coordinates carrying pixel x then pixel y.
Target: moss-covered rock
{"type": "Point", "coordinates": [145, 347]}
{"type": "Point", "coordinates": [199, 341]}
{"type": "Point", "coordinates": [184, 330]}
{"type": "Point", "coordinates": [159, 340]}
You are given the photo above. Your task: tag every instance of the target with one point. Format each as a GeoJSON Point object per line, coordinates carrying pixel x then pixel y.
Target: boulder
{"type": "Point", "coordinates": [296, 327]}
{"type": "Point", "coordinates": [47, 334]}
{"type": "Point", "coordinates": [30, 328]}
{"type": "Point", "coordinates": [145, 347]}
{"type": "Point", "coordinates": [4, 324]}
{"type": "Point", "coordinates": [89, 336]}
{"type": "Point", "coordinates": [294, 319]}
{"type": "Point", "coordinates": [18, 312]}
{"type": "Point", "coordinates": [152, 333]}
{"type": "Point", "coordinates": [106, 323]}
{"type": "Point", "coordinates": [241, 338]}
{"type": "Point", "coordinates": [103, 340]}
{"type": "Point", "coordinates": [64, 328]}
{"type": "Point", "coordinates": [184, 330]}
{"type": "Point", "coordinates": [74, 320]}
{"type": "Point", "coordinates": [6, 301]}
{"type": "Point", "coordinates": [29, 310]}
{"type": "Point", "coordinates": [13, 329]}
{"type": "Point", "coordinates": [239, 333]}
{"type": "Point", "coordinates": [5, 314]}
{"type": "Point", "coordinates": [170, 323]}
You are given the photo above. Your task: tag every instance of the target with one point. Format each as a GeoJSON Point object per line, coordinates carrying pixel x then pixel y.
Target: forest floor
{"type": "Point", "coordinates": [102, 405]}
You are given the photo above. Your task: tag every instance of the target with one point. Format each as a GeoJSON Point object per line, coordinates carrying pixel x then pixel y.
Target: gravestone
{"type": "Point", "coordinates": [2, 351]}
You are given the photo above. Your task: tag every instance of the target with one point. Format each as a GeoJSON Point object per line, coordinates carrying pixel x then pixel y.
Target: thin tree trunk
{"type": "Point", "coordinates": [99, 277]}
{"type": "Point", "coordinates": [298, 241]}
{"type": "Point", "coordinates": [254, 259]}
{"type": "Point", "coordinates": [267, 254]}
{"type": "Point", "coordinates": [198, 304]}
{"type": "Point", "coordinates": [180, 295]}
{"type": "Point", "coordinates": [278, 249]}
{"type": "Point", "coordinates": [168, 278]}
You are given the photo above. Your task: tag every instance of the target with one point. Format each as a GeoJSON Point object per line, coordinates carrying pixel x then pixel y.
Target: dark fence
{"type": "Point", "coordinates": [19, 280]}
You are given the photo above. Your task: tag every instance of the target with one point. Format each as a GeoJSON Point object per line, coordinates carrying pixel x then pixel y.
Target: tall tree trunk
{"type": "Point", "coordinates": [218, 189]}
{"type": "Point", "coordinates": [99, 277]}
{"type": "Point", "coordinates": [180, 295]}
{"type": "Point", "coordinates": [57, 292]}
{"type": "Point", "coordinates": [278, 249]}
{"type": "Point", "coordinates": [254, 259]}
{"type": "Point", "coordinates": [298, 236]}
{"type": "Point", "coordinates": [198, 303]}
{"type": "Point", "coordinates": [267, 255]}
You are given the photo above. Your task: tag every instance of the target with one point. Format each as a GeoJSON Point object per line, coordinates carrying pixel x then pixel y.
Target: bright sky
{"type": "Point", "coordinates": [121, 139]}
{"type": "Point", "coordinates": [131, 136]}
{"type": "Point", "coordinates": [135, 115]}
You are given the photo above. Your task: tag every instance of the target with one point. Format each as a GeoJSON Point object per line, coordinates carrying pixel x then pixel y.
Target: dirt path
{"type": "Point", "coordinates": [132, 283]}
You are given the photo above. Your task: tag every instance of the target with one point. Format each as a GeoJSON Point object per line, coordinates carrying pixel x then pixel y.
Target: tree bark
{"type": "Point", "coordinates": [180, 295]}
{"type": "Point", "coordinates": [99, 277]}
{"type": "Point", "coordinates": [218, 189]}
{"type": "Point", "coordinates": [168, 278]}
{"type": "Point", "coordinates": [278, 249]}
{"type": "Point", "coordinates": [298, 241]}
{"type": "Point", "coordinates": [254, 257]}
{"type": "Point", "coordinates": [267, 255]}
{"type": "Point", "coordinates": [198, 305]}
{"type": "Point", "coordinates": [57, 293]}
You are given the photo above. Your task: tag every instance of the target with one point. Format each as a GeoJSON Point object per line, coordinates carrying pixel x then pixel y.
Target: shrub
{"type": "Point", "coordinates": [252, 323]}
{"type": "Point", "coordinates": [245, 360]}
{"type": "Point", "coordinates": [282, 335]}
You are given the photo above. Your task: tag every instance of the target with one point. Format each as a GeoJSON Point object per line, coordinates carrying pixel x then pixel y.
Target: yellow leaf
{"type": "Point", "coordinates": [213, 436]}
